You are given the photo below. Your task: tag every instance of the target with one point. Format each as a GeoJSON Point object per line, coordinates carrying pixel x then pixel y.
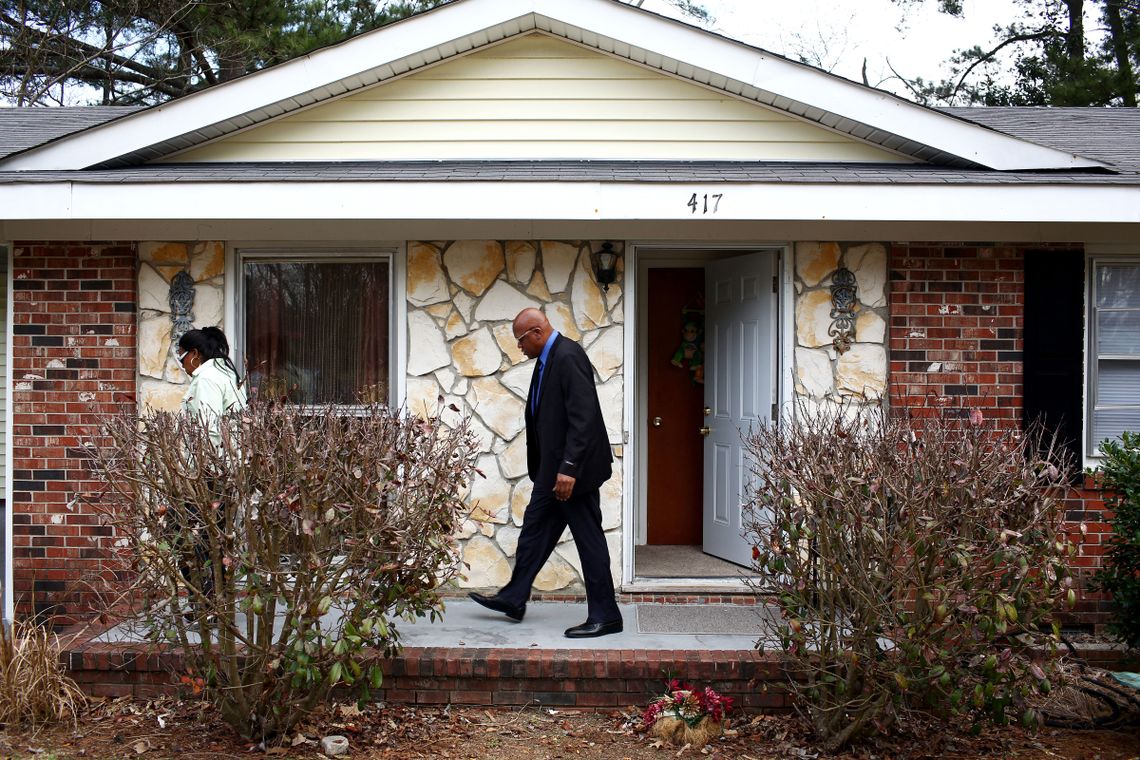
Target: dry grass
{"type": "Point", "coordinates": [1090, 698]}
{"type": "Point", "coordinates": [34, 689]}
{"type": "Point", "coordinates": [679, 733]}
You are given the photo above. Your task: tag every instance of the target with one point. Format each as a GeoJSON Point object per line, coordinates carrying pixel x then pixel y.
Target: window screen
{"type": "Point", "coordinates": [1115, 326]}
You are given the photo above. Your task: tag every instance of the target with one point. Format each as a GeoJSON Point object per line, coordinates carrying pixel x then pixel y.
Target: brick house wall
{"type": "Point", "coordinates": [73, 355]}
{"type": "Point", "coordinates": [956, 340]}
{"type": "Point", "coordinates": [955, 328]}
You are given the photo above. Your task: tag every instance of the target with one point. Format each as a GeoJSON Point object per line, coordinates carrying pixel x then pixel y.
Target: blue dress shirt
{"type": "Point", "coordinates": [542, 368]}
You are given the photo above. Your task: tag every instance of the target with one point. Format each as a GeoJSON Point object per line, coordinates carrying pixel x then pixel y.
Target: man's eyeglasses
{"type": "Point", "coordinates": [521, 337]}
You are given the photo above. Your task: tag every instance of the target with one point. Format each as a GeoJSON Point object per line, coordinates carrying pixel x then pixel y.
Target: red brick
{"type": "Point", "coordinates": [62, 308]}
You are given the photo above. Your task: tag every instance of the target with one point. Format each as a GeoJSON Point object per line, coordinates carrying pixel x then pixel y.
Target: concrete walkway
{"type": "Point", "coordinates": [647, 626]}
{"type": "Point", "coordinates": [692, 627]}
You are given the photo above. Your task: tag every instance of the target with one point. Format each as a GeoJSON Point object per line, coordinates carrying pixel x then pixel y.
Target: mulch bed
{"type": "Point", "coordinates": [191, 729]}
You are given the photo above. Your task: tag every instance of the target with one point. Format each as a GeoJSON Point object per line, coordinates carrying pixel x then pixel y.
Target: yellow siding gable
{"type": "Point", "coordinates": [537, 97]}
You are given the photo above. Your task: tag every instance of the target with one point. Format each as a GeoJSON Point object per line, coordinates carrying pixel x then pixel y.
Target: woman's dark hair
{"type": "Point", "coordinates": [210, 343]}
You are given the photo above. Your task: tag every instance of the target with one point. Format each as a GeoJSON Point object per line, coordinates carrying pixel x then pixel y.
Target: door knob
{"type": "Point", "coordinates": [656, 422]}
{"type": "Point", "coordinates": [705, 431]}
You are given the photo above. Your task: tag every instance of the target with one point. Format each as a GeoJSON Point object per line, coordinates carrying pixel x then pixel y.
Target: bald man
{"type": "Point", "coordinates": [568, 458]}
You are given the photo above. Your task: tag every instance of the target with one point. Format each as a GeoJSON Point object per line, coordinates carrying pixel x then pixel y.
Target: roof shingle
{"type": "Point", "coordinates": [1108, 134]}
{"type": "Point", "coordinates": [23, 128]}
{"type": "Point", "coordinates": [566, 171]}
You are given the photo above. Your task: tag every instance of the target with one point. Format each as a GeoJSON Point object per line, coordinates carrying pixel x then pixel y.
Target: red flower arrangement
{"type": "Point", "coordinates": [687, 715]}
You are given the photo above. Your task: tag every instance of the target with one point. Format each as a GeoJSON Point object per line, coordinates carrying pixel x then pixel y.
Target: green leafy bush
{"type": "Point", "coordinates": [914, 566]}
{"type": "Point", "coordinates": [1120, 575]}
{"type": "Point", "coordinates": [281, 564]}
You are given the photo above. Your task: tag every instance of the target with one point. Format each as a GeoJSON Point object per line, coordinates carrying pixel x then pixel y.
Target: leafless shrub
{"type": "Point", "coordinates": [280, 563]}
{"type": "Point", "coordinates": [34, 687]}
{"type": "Point", "coordinates": [916, 566]}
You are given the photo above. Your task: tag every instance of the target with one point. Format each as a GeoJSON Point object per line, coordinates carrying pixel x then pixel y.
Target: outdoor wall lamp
{"type": "Point", "coordinates": [605, 265]}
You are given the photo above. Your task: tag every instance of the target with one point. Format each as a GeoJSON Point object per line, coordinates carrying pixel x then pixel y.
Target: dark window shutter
{"type": "Point", "coordinates": [1053, 341]}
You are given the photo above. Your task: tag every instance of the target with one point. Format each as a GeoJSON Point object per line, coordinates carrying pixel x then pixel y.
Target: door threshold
{"type": "Point", "coordinates": [726, 585]}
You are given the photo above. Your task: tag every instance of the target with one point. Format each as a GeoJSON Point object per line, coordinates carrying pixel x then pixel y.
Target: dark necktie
{"type": "Point", "coordinates": [537, 386]}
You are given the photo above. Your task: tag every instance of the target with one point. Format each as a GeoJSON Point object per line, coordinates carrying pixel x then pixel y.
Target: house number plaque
{"type": "Point", "coordinates": [705, 203]}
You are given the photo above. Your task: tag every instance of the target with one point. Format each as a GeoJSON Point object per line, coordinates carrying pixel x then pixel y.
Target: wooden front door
{"type": "Point", "coordinates": [674, 490]}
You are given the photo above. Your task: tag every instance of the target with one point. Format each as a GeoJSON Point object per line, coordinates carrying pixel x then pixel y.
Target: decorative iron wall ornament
{"type": "Point", "coordinates": [181, 305]}
{"type": "Point", "coordinates": [842, 329]}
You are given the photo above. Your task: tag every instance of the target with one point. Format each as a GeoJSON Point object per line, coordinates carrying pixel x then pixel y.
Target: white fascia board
{"type": "Point", "coordinates": [613, 20]}
{"type": "Point", "coordinates": [572, 201]}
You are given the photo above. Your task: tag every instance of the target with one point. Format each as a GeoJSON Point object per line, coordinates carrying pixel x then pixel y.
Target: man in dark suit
{"type": "Point", "coordinates": [568, 459]}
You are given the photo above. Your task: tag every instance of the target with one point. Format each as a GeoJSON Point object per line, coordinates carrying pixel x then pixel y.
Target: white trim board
{"type": "Point", "coordinates": [616, 28]}
{"type": "Point", "coordinates": [582, 201]}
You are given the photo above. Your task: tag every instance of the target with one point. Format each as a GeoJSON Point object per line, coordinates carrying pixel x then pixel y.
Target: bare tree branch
{"type": "Point", "coordinates": [919, 96]}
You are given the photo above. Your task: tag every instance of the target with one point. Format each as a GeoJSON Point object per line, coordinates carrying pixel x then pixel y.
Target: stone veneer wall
{"type": "Point", "coordinates": [161, 382]}
{"type": "Point", "coordinates": [822, 374]}
{"type": "Point", "coordinates": [462, 297]}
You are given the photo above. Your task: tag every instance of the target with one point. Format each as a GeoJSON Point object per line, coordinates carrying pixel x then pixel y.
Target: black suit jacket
{"type": "Point", "coordinates": [566, 434]}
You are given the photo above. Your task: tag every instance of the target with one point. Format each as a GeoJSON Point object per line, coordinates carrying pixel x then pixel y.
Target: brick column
{"type": "Point", "coordinates": [956, 329]}
{"type": "Point", "coordinates": [73, 356]}
{"type": "Point", "coordinates": [955, 335]}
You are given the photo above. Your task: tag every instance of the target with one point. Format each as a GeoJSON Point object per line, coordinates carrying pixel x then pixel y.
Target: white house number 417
{"type": "Point", "coordinates": [702, 203]}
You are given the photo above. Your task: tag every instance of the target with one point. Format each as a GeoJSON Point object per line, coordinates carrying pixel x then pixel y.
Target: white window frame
{"type": "Point", "coordinates": [1093, 259]}
{"type": "Point", "coordinates": [239, 254]}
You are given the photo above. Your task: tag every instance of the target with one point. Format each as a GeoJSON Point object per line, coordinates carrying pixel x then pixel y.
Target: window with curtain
{"type": "Point", "coordinates": [317, 332]}
{"type": "Point", "coordinates": [1114, 393]}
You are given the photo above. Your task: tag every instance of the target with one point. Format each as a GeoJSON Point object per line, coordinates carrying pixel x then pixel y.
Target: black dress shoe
{"type": "Point", "coordinates": [499, 605]}
{"type": "Point", "coordinates": [589, 630]}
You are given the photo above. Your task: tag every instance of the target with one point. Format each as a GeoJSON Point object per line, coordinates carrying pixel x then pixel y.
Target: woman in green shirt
{"type": "Point", "coordinates": [214, 392]}
{"type": "Point", "coordinates": [215, 389]}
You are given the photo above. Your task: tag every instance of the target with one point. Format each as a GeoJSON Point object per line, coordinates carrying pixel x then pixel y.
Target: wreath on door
{"type": "Point", "coordinates": [691, 353]}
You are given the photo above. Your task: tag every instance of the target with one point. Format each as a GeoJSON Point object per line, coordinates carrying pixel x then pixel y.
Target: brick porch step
{"type": "Point", "coordinates": [583, 678]}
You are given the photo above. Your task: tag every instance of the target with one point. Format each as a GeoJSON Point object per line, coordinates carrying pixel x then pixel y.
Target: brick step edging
{"type": "Point", "coordinates": [585, 678]}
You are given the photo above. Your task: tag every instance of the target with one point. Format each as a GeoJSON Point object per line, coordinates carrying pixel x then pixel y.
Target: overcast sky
{"type": "Point", "coordinates": [840, 33]}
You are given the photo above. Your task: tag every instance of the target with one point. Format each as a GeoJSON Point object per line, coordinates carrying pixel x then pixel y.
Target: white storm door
{"type": "Point", "coordinates": [740, 356]}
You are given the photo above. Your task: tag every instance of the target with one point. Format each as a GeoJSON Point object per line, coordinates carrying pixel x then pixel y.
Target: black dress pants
{"type": "Point", "coordinates": [543, 523]}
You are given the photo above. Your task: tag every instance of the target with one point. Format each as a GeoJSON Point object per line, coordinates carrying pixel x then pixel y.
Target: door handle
{"type": "Point", "coordinates": [705, 431]}
{"type": "Point", "coordinates": [656, 422]}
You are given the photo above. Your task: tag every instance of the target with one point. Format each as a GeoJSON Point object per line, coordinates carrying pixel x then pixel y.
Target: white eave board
{"type": "Point", "coordinates": [571, 201]}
